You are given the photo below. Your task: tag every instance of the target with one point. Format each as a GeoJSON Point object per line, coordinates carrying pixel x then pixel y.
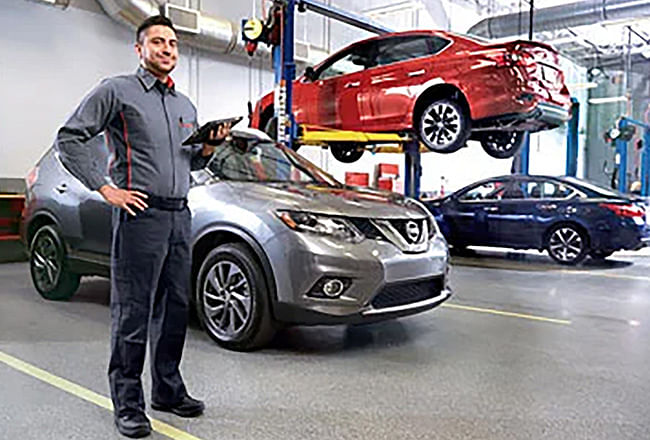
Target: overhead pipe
{"type": "Point", "coordinates": [216, 34]}
{"type": "Point", "coordinates": [561, 17]}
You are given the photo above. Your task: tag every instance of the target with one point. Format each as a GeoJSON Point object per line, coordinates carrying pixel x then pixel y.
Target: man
{"type": "Point", "coordinates": [145, 120]}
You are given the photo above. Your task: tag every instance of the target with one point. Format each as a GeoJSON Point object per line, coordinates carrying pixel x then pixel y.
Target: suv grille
{"type": "Point", "coordinates": [410, 230]}
{"type": "Point", "coordinates": [398, 294]}
{"type": "Point", "coordinates": [366, 227]}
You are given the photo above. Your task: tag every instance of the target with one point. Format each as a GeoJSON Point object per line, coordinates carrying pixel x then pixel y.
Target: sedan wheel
{"type": "Point", "coordinates": [232, 299]}
{"type": "Point", "coordinates": [502, 144]}
{"type": "Point", "coordinates": [346, 152]}
{"type": "Point", "coordinates": [567, 245]}
{"type": "Point", "coordinates": [48, 266]}
{"type": "Point", "coordinates": [443, 126]}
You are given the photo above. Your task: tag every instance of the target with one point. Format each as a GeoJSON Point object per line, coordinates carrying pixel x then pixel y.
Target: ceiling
{"type": "Point", "coordinates": [612, 46]}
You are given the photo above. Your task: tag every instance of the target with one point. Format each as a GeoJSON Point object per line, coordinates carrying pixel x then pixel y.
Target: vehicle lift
{"type": "Point", "coordinates": [293, 136]}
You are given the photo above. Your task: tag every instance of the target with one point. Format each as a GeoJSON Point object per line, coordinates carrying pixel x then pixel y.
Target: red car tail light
{"type": "Point", "coordinates": [623, 210]}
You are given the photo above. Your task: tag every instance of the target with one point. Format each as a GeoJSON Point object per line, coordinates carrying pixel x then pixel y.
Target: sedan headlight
{"type": "Point", "coordinates": [335, 227]}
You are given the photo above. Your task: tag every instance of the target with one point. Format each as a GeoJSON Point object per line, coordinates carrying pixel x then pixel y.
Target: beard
{"type": "Point", "coordinates": [157, 66]}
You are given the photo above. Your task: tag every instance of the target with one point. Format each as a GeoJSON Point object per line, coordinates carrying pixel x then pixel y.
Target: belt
{"type": "Point", "coordinates": [167, 203]}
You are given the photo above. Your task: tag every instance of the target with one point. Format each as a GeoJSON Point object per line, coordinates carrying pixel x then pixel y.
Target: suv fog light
{"type": "Point", "coordinates": [330, 287]}
{"type": "Point", "coordinates": [333, 288]}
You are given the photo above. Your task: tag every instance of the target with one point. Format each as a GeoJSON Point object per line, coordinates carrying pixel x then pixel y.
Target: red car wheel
{"type": "Point", "coordinates": [443, 126]}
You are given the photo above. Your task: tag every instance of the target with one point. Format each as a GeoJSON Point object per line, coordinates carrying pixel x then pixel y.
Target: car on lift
{"type": "Point", "coordinates": [442, 87]}
{"type": "Point", "coordinates": [569, 217]}
{"type": "Point", "coordinates": [275, 241]}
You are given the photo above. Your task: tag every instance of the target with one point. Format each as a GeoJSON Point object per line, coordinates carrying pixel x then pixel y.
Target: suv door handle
{"type": "Point", "coordinates": [490, 208]}
{"type": "Point", "coordinates": [62, 188]}
{"type": "Point", "coordinates": [417, 72]}
{"type": "Point", "coordinates": [352, 84]}
{"type": "Point", "coordinates": [547, 207]}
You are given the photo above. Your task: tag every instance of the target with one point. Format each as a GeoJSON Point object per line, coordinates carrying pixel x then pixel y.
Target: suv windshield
{"type": "Point", "coordinates": [258, 160]}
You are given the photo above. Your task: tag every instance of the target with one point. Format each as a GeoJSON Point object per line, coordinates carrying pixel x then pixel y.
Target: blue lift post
{"type": "Point", "coordinates": [572, 139]}
{"type": "Point", "coordinates": [524, 155]}
{"type": "Point", "coordinates": [621, 149]}
{"type": "Point", "coordinates": [645, 164]}
{"type": "Point", "coordinates": [621, 152]}
{"type": "Point", "coordinates": [413, 169]}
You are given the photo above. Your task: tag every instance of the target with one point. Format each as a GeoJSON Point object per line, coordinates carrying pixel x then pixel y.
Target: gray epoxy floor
{"type": "Point", "coordinates": [446, 374]}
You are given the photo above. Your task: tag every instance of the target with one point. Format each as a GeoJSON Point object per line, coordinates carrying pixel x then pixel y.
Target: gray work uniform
{"type": "Point", "coordinates": [145, 122]}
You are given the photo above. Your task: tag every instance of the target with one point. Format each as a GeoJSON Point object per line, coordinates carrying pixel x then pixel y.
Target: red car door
{"type": "Point", "coordinates": [403, 64]}
{"type": "Point", "coordinates": [334, 98]}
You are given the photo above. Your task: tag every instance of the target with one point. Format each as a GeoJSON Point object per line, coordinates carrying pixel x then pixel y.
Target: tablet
{"type": "Point", "coordinates": [202, 134]}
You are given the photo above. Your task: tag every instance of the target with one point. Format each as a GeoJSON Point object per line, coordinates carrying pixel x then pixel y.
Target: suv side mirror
{"type": "Point", "coordinates": [310, 73]}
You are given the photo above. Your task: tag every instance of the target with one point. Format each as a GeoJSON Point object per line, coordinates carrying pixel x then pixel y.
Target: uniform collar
{"type": "Point", "coordinates": [148, 80]}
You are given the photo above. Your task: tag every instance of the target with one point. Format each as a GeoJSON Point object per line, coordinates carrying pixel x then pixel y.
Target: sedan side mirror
{"type": "Point", "coordinates": [310, 73]}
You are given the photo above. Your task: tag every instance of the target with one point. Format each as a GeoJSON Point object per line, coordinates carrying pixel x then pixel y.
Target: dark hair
{"type": "Point", "coordinates": [152, 21]}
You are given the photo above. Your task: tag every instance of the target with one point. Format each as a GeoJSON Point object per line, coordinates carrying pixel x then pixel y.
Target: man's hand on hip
{"type": "Point", "coordinates": [125, 199]}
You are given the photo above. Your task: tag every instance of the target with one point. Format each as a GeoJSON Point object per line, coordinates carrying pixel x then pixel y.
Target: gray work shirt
{"type": "Point", "coordinates": [145, 123]}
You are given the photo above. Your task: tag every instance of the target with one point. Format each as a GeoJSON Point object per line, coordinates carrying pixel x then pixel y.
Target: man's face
{"type": "Point", "coordinates": [158, 49]}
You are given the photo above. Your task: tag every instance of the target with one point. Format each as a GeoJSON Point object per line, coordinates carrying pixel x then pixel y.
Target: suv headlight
{"type": "Point", "coordinates": [336, 227]}
{"type": "Point", "coordinates": [432, 227]}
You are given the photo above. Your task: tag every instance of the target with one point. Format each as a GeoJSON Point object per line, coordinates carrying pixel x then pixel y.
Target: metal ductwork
{"type": "Point", "coordinates": [213, 34]}
{"type": "Point", "coordinates": [562, 17]}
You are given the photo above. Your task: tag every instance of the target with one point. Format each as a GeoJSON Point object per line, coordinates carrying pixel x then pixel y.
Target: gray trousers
{"type": "Point", "coordinates": [150, 274]}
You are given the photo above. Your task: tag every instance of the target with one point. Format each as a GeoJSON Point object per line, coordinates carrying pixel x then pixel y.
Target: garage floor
{"type": "Point", "coordinates": [525, 350]}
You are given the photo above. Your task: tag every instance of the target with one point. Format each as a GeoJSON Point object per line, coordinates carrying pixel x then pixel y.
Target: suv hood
{"type": "Point", "coordinates": [322, 199]}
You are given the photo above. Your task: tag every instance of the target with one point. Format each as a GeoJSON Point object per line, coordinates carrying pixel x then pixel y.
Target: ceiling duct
{"type": "Point", "coordinates": [562, 17]}
{"type": "Point", "coordinates": [214, 34]}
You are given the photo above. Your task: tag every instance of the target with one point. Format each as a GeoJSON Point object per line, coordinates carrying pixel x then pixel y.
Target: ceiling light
{"type": "Point", "coordinates": [608, 100]}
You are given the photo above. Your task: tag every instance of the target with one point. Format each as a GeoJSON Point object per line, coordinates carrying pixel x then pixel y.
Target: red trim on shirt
{"type": "Point", "coordinates": [170, 82]}
{"type": "Point", "coordinates": [128, 152]}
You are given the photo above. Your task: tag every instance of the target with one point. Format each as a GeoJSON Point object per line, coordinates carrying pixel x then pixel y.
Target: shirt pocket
{"type": "Point", "coordinates": [186, 126]}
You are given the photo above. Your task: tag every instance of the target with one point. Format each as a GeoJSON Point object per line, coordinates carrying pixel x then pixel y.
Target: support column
{"type": "Point", "coordinates": [412, 169]}
{"type": "Point", "coordinates": [621, 152]}
{"type": "Point", "coordinates": [572, 139]}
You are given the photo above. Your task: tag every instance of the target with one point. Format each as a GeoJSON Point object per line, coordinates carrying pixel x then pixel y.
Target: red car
{"type": "Point", "coordinates": [445, 88]}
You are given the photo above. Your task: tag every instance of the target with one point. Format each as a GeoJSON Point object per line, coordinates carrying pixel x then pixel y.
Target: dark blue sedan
{"type": "Point", "coordinates": [569, 217]}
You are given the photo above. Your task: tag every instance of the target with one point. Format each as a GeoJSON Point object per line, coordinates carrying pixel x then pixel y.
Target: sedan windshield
{"type": "Point", "coordinates": [258, 160]}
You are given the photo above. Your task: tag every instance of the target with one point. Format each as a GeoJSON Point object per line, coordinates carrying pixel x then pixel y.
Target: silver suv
{"type": "Point", "coordinates": [276, 241]}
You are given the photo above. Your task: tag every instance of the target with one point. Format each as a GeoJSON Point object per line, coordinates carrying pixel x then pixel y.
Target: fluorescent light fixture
{"type": "Point", "coordinates": [608, 100]}
{"type": "Point", "coordinates": [582, 86]}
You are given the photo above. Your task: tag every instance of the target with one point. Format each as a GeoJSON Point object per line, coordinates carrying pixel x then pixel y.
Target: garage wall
{"type": "Point", "coordinates": [54, 57]}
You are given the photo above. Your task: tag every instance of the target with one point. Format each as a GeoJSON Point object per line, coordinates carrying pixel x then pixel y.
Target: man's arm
{"type": "Point", "coordinates": [92, 116]}
{"type": "Point", "coordinates": [89, 119]}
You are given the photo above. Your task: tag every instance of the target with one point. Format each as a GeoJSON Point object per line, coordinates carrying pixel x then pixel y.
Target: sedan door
{"type": "Point", "coordinates": [334, 98]}
{"type": "Point", "coordinates": [473, 214]}
{"type": "Point", "coordinates": [529, 208]}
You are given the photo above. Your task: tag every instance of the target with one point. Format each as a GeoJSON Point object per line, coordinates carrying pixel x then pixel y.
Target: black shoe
{"type": "Point", "coordinates": [187, 407]}
{"type": "Point", "coordinates": [134, 426]}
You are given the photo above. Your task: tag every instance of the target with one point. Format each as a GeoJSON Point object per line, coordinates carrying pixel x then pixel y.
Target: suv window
{"type": "Point", "coordinates": [492, 190]}
{"type": "Point", "coordinates": [358, 59]}
{"type": "Point", "coordinates": [394, 50]}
